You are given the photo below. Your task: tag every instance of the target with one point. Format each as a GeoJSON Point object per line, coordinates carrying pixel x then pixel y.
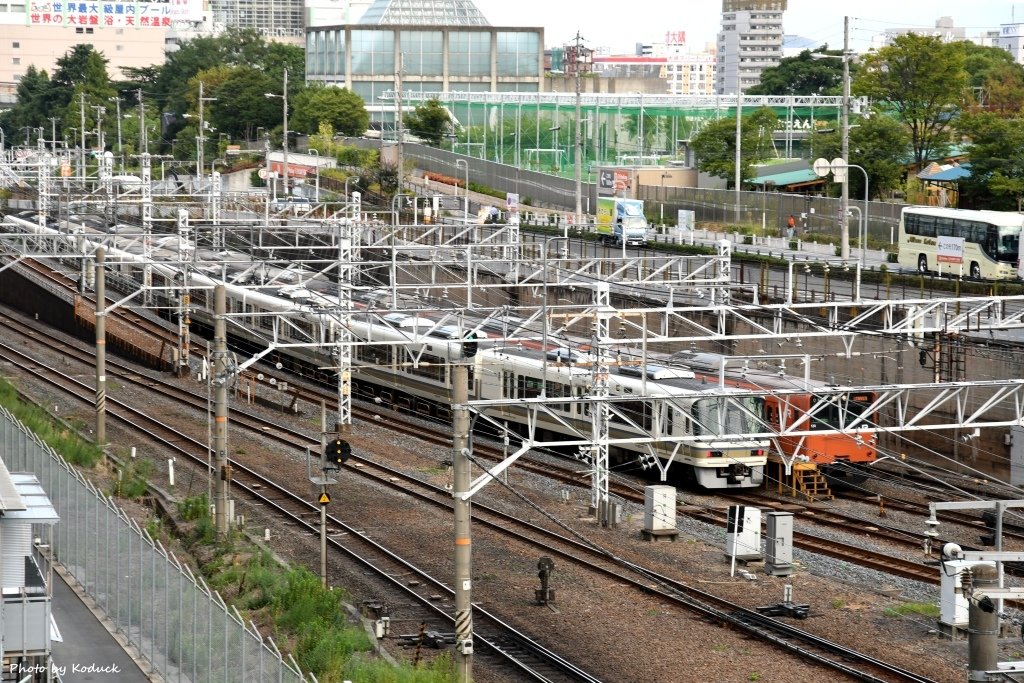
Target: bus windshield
{"type": "Point", "coordinates": [1009, 244]}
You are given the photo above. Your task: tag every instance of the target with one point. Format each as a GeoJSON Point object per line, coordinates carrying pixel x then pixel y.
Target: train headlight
{"type": "Point", "coordinates": [715, 454]}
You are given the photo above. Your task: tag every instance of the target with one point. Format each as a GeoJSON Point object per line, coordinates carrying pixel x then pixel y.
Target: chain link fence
{"type": "Point", "coordinates": [770, 210]}
{"type": "Point", "coordinates": [176, 622]}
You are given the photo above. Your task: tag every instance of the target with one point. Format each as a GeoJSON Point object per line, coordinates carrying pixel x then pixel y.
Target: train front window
{"type": "Point", "coordinates": [826, 416]}
{"type": "Point", "coordinates": [718, 417]}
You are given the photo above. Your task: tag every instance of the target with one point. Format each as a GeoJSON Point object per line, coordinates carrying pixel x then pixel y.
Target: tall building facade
{"type": "Point", "coordinates": [750, 42]}
{"type": "Point", "coordinates": [1011, 39]}
{"type": "Point", "coordinates": [127, 33]}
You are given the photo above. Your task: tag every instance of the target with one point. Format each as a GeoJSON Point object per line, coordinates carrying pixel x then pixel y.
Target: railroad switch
{"type": "Point", "coordinates": [786, 609]}
{"type": "Point", "coordinates": [434, 639]}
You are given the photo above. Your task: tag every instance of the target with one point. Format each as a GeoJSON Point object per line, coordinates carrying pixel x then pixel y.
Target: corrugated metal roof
{"type": "Point", "coordinates": [806, 175]}
{"type": "Point", "coordinates": [10, 499]}
{"type": "Point", "coordinates": [945, 174]}
{"type": "Point", "coordinates": [38, 508]}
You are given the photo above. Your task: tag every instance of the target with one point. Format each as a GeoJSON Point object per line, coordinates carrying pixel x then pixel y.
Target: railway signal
{"type": "Point", "coordinates": [338, 452]}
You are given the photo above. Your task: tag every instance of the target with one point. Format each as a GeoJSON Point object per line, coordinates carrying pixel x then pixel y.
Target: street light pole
{"type": "Point", "coordinates": [100, 111]}
{"type": "Point", "coordinates": [284, 139]}
{"type": "Point", "coordinates": [317, 172]}
{"type": "Point", "coordinates": [578, 165]}
{"type": "Point", "coordinates": [466, 201]}
{"type": "Point", "coordinates": [864, 214]}
{"type": "Point", "coordinates": [120, 148]}
{"type": "Point", "coordinates": [201, 138]}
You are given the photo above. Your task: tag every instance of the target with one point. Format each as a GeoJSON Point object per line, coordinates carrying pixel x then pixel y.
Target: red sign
{"type": "Point", "coordinates": [294, 170]}
{"type": "Point", "coordinates": [621, 180]}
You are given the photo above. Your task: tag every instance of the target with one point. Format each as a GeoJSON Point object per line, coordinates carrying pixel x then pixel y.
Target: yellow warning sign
{"type": "Point", "coordinates": [324, 498]}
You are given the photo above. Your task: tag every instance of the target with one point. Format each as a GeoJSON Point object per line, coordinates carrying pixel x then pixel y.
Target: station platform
{"type": "Point", "coordinates": [88, 651]}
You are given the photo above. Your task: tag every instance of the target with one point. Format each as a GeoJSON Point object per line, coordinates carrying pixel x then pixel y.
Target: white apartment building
{"type": "Point", "coordinates": [1011, 39]}
{"type": "Point", "coordinates": [750, 42]}
{"type": "Point", "coordinates": [691, 74]}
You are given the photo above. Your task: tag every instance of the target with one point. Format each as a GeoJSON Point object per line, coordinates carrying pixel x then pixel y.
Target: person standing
{"type": "Point", "coordinates": [790, 226]}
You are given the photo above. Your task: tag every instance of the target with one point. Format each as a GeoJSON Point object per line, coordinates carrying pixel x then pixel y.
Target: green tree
{"type": "Point", "coordinates": [924, 81]}
{"type": "Point", "coordinates": [340, 107]}
{"type": "Point", "coordinates": [806, 74]}
{"type": "Point", "coordinates": [33, 104]}
{"type": "Point", "coordinates": [715, 144]}
{"type": "Point", "coordinates": [878, 144]}
{"type": "Point", "coordinates": [981, 62]}
{"type": "Point", "coordinates": [234, 48]}
{"type": "Point", "coordinates": [997, 161]}
{"type": "Point", "coordinates": [241, 104]}
{"type": "Point", "coordinates": [1003, 90]}
{"type": "Point", "coordinates": [82, 63]}
{"type": "Point", "coordinates": [87, 71]}
{"type": "Point", "coordinates": [429, 121]}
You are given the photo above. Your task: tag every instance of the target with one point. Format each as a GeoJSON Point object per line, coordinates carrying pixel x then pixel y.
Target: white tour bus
{"type": "Point", "coordinates": [979, 244]}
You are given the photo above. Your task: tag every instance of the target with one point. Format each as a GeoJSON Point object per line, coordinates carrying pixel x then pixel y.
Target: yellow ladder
{"type": "Point", "coordinates": [811, 483]}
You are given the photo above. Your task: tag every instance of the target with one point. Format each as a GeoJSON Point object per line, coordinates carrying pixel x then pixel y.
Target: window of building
{"type": "Point", "coordinates": [16, 45]}
{"type": "Point", "coordinates": [373, 53]}
{"type": "Point", "coordinates": [518, 53]}
{"type": "Point", "coordinates": [16, 60]}
{"type": "Point", "coordinates": [469, 53]}
{"type": "Point", "coordinates": [422, 53]}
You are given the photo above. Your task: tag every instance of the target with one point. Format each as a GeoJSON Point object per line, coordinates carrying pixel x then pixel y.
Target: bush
{"type": "Point", "coordinates": [56, 435]}
{"type": "Point", "coordinates": [194, 508]}
{"type": "Point", "coordinates": [133, 479]}
{"type": "Point", "coordinates": [892, 257]}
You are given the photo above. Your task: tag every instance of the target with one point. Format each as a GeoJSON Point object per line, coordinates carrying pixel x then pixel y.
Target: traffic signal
{"type": "Point", "coordinates": [922, 357]}
{"type": "Point", "coordinates": [469, 348]}
{"type": "Point", "coordinates": [338, 452]}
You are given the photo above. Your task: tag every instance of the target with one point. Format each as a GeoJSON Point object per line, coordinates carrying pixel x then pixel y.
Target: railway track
{"type": "Point", "coordinates": [529, 658]}
{"type": "Point", "coordinates": [279, 499]}
{"type": "Point", "coordinates": [844, 551]}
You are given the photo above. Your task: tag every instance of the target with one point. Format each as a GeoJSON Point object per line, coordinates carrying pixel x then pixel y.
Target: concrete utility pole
{"type": "Point", "coordinates": [81, 158]}
{"type": "Point", "coordinates": [284, 140]}
{"type": "Point", "coordinates": [200, 137]}
{"type": "Point", "coordinates": [222, 471]}
{"type": "Point", "coordinates": [145, 171]}
{"type": "Point", "coordinates": [101, 349]}
{"type": "Point", "coordinates": [463, 514]}
{"type": "Point", "coordinates": [982, 627]}
{"type": "Point", "coordinates": [739, 147]}
{"type": "Point", "coordinates": [844, 124]}
{"type": "Point", "coordinates": [578, 165]}
{"type": "Point", "coordinates": [398, 125]}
